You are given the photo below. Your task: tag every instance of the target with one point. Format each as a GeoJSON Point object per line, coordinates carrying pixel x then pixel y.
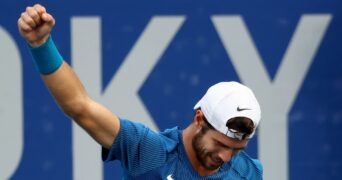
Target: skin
{"type": "Point", "coordinates": [207, 150]}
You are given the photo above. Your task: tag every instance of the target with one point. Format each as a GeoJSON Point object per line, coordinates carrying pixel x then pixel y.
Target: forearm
{"type": "Point", "coordinates": [67, 89]}
{"type": "Point", "coordinates": [60, 79]}
{"type": "Point", "coordinates": [71, 96]}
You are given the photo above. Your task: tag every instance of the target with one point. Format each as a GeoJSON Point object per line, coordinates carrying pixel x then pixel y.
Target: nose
{"type": "Point", "coordinates": [226, 154]}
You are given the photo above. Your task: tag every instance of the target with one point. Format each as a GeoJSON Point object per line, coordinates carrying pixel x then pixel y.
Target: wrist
{"type": "Point", "coordinates": [46, 56]}
{"type": "Point", "coordinates": [37, 43]}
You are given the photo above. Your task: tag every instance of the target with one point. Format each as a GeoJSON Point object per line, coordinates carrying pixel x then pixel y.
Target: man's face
{"type": "Point", "coordinates": [213, 148]}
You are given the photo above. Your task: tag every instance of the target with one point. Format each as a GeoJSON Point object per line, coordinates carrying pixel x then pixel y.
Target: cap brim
{"type": "Point", "coordinates": [198, 105]}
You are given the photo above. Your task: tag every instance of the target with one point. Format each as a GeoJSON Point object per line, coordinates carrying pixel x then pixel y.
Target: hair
{"type": "Point", "coordinates": [207, 123]}
{"type": "Point", "coordinates": [243, 125]}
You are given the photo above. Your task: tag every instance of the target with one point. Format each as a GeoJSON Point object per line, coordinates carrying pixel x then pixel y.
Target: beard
{"type": "Point", "coordinates": [203, 155]}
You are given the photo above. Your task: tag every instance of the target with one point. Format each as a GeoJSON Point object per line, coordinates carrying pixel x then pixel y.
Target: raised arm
{"type": "Point", "coordinates": [35, 25]}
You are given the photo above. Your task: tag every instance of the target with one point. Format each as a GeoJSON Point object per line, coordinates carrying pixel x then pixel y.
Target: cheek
{"type": "Point", "coordinates": [209, 145]}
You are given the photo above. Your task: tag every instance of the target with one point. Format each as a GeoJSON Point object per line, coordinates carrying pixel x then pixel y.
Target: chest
{"type": "Point", "coordinates": [177, 168]}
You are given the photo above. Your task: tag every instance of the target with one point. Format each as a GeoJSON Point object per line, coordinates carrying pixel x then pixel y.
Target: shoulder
{"type": "Point", "coordinates": [134, 133]}
{"type": "Point", "coordinates": [134, 144]}
{"type": "Point", "coordinates": [137, 131]}
{"type": "Point", "coordinates": [246, 166]}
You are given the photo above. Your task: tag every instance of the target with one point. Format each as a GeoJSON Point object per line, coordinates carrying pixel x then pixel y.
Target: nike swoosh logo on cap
{"type": "Point", "coordinates": [169, 177]}
{"type": "Point", "coordinates": [242, 109]}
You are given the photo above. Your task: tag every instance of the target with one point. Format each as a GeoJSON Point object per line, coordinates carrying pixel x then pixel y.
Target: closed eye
{"type": "Point", "coordinates": [218, 143]}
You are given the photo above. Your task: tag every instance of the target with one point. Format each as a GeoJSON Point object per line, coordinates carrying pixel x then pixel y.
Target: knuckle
{"type": "Point", "coordinates": [39, 8]}
{"type": "Point", "coordinates": [30, 22]}
{"type": "Point", "coordinates": [37, 5]}
{"type": "Point", "coordinates": [34, 14]}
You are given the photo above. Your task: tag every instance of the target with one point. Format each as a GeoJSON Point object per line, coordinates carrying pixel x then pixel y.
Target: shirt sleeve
{"type": "Point", "coordinates": [247, 167]}
{"type": "Point", "coordinates": [137, 147]}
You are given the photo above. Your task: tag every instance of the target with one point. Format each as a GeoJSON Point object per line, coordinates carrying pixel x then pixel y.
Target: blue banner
{"type": "Point", "coordinates": [151, 61]}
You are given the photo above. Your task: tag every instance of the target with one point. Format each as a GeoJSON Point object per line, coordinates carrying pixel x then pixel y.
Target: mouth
{"type": "Point", "coordinates": [215, 162]}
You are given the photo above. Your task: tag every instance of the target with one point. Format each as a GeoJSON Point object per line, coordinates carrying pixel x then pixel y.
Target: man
{"type": "Point", "coordinates": [225, 118]}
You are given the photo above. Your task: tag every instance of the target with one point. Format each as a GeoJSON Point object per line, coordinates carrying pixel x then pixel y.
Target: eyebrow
{"type": "Point", "coordinates": [228, 147]}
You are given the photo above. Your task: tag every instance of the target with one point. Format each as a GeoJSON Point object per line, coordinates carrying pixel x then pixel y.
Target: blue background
{"type": "Point", "coordinates": [194, 60]}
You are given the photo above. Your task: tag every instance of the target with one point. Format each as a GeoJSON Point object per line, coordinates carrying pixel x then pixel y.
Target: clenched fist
{"type": "Point", "coordinates": [35, 25]}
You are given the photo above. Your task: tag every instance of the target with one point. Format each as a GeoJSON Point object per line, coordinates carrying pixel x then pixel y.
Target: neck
{"type": "Point", "coordinates": [188, 135]}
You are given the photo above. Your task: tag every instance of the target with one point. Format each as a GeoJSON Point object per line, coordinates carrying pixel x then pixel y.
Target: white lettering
{"type": "Point", "coordinates": [11, 106]}
{"type": "Point", "coordinates": [86, 48]}
{"type": "Point", "coordinates": [121, 94]}
{"type": "Point", "coordinates": [277, 96]}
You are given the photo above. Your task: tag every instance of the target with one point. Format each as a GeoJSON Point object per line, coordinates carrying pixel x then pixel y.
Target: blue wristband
{"type": "Point", "coordinates": [46, 57]}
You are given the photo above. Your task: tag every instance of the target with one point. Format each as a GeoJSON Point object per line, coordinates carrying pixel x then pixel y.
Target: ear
{"type": "Point", "coordinates": [198, 119]}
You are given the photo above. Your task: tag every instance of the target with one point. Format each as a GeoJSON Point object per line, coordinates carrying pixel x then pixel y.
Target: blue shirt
{"type": "Point", "coordinates": [145, 154]}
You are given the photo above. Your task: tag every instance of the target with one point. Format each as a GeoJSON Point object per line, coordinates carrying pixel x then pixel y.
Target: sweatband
{"type": "Point", "coordinates": [46, 57]}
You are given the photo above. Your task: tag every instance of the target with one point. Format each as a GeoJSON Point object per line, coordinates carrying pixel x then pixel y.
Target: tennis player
{"type": "Point", "coordinates": [210, 147]}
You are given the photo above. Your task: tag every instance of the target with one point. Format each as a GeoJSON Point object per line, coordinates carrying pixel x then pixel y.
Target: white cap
{"type": "Point", "coordinates": [226, 100]}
